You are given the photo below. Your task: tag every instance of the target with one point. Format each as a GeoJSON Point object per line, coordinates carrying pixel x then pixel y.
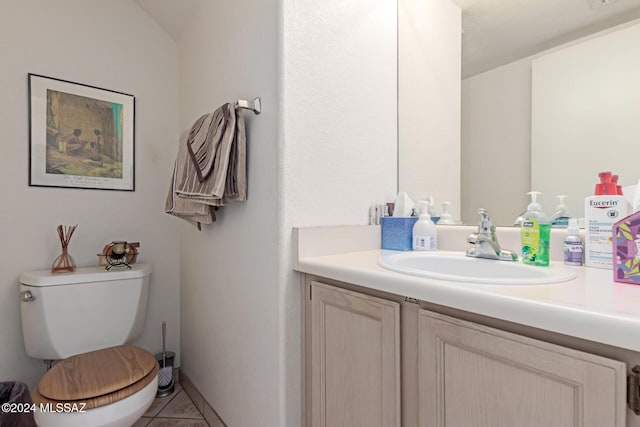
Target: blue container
{"type": "Point", "coordinates": [397, 232]}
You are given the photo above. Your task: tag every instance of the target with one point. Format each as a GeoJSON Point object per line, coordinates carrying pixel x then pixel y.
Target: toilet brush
{"type": "Point", "coordinates": [165, 375]}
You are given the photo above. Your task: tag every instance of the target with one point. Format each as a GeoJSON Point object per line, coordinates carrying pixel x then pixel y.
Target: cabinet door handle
{"type": "Point", "coordinates": [633, 390]}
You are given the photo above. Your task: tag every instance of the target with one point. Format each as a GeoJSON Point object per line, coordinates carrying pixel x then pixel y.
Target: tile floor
{"type": "Point", "coordinates": [175, 410]}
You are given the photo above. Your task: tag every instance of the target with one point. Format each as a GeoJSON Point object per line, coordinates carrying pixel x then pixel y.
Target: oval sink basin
{"type": "Point", "coordinates": [456, 266]}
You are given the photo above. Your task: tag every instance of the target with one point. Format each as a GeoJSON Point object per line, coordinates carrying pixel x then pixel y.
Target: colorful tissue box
{"type": "Point", "coordinates": [397, 233]}
{"type": "Point", "coordinates": [626, 250]}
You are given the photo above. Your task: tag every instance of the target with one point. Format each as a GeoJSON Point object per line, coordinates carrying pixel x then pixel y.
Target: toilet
{"type": "Point", "coordinates": [82, 321]}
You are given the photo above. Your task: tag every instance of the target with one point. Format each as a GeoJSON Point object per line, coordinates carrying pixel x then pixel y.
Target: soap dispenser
{"type": "Point", "coordinates": [445, 216]}
{"type": "Point", "coordinates": [560, 217]}
{"type": "Point", "coordinates": [432, 209]}
{"type": "Point", "coordinates": [424, 230]}
{"type": "Point", "coordinates": [535, 233]}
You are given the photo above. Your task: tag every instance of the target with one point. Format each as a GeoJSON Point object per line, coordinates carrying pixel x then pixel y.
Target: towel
{"type": "Point", "coordinates": [192, 211]}
{"type": "Point", "coordinates": [210, 168]}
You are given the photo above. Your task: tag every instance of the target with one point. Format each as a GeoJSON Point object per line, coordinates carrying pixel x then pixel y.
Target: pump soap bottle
{"type": "Point", "coordinates": [445, 216]}
{"type": "Point", "coordinates": [424, 230]}
{"type": "Point", "coordinates": [535, 232]}
{"type": "Point", "coordinates": [560, 217]}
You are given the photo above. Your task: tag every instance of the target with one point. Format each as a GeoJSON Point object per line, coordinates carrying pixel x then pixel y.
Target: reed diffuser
{"type": "Point", "coordinates": [65, 262]}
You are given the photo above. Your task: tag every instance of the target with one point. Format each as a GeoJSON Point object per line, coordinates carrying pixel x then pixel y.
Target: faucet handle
{"type": "Point", "coordinates": [485, 241]}
{"type": "Point", "coordinates": [485, 227]}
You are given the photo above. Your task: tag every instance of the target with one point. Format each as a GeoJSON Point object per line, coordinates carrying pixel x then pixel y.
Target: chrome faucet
{"type": "Point", "coordinates": [485, 242]}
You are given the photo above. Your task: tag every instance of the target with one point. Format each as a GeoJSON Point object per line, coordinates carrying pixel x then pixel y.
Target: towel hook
{"type": "Point", "coordinates": [253, 104]}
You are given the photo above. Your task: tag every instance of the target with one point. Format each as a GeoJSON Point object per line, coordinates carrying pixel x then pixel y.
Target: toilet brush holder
{"type": "Point", "coordinates": [166, 384]}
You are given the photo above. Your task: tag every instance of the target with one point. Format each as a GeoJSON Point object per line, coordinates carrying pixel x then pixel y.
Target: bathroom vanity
{"type": "Point", "coordinates": [384, 349]}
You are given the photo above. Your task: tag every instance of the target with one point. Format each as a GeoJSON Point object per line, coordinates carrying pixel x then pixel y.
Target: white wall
{"type": "Point", "coordinates": [229, 282]}
{"type": "Point", "coordinates": [339, 129]}
{"type": "Point", "coordinates": [496, 142]}
{"type": "Point", "coordinates": [429, 100]}
{"type": "Point", "coordinates": [322, 151]}
{"type": "Point", "coordinates": [107, 44]}
{"type": "Point", "coordinates": [340, 109]}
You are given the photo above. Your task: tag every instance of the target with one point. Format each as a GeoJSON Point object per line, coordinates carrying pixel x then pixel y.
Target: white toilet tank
{"type": "Point", "coordinates": [73, 313]}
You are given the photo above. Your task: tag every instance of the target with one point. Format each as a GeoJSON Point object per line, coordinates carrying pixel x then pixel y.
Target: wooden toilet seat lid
{"type": "Point", "coordinates": [97, 373]}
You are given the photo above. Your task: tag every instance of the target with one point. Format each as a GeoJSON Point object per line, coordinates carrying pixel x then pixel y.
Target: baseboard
{"type": "Point", "coordinates": [210, 415]}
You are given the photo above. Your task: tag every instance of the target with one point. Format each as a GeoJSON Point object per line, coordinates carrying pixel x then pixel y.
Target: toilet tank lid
{"type": "Point", "coordinates": [84, 275]}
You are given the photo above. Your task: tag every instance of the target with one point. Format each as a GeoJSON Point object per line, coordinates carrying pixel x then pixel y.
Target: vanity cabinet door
{"type": "Point", "coordinates": [354, 359]}
{"type": "Point", "coordinates": [471, 375]}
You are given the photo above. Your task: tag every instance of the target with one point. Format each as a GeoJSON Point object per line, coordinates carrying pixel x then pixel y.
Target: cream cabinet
{"type": "Point", "coordinates": [471, 375]}
{"type": "Point", "coordinates": [377, 359]}
{"type": "Point", "coordinates": [353, 359]}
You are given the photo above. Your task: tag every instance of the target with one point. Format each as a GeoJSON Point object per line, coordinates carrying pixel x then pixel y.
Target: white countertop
{"type": "Point", "coordinates": [591, 307]}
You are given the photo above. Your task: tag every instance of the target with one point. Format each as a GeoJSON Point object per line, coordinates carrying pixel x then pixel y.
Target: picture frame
{"type": "Point", "coordinates": [80, 136]}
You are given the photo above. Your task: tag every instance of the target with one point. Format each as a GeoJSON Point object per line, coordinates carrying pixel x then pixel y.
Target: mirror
{"type": "Point", "coordinates": [503, 129]}
{"type": "Point", "coordinates": [585, 112]}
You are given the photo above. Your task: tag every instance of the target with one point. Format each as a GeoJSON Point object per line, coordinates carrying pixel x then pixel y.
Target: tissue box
{"type": "Point", "coordinates": [626, 250]}
{"type": "Point", "coordinates": [397, 232]}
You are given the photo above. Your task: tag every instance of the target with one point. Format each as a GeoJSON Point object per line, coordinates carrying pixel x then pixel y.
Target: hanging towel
{"type": "Point", "coordinates": [210, 168]}
{"type": "Point", "coordinates": [236, 183]}
{"type": "Point", "coordinates": [194, 212]}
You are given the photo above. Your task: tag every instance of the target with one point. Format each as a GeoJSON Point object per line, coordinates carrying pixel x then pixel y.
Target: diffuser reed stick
{"type": "Point", "coordinates": [64, 263]}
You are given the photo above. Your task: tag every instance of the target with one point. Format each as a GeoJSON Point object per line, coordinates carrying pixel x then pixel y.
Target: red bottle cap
{"type": "Point", "coordinates": [599, 189]}
{"type": "Point", "coordinates": [614, 179]}
{"type": "Point", "coordinates": [606, 187]}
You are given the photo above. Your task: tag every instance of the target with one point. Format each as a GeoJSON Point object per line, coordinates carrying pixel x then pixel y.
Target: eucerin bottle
{"type": "Point", "coordinates": [601, 212]}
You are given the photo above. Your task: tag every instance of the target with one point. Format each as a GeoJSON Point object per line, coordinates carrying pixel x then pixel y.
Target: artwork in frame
{"type": "Point", "coordinates": [81, 136]}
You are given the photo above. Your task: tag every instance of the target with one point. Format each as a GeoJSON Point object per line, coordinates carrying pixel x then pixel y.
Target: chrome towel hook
{"type": "Point", "coordinates": [253, 105]}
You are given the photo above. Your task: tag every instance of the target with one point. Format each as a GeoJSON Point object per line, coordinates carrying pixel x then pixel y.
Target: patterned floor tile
{"type": "Point", "coordinates": [142, 422]}
{"type": "Point", "coordinates": [180, 407]}
{"type": "Point", "coordinates": [174, 422]}
{"type": "Point", "coordinates": [160, 402]}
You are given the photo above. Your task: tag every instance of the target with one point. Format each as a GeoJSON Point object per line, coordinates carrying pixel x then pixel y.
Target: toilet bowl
{"type": "Point", "coordinates": [110, 387]}
{"type": "Point", "coordinates": [82, 320]}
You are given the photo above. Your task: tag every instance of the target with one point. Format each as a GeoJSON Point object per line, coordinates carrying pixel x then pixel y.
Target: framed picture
{"type": "Point", "coordinates": [80, 136]}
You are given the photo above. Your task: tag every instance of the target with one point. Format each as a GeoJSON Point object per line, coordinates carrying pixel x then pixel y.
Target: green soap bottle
{"type": "Point", "coordinates": [535, 232]}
